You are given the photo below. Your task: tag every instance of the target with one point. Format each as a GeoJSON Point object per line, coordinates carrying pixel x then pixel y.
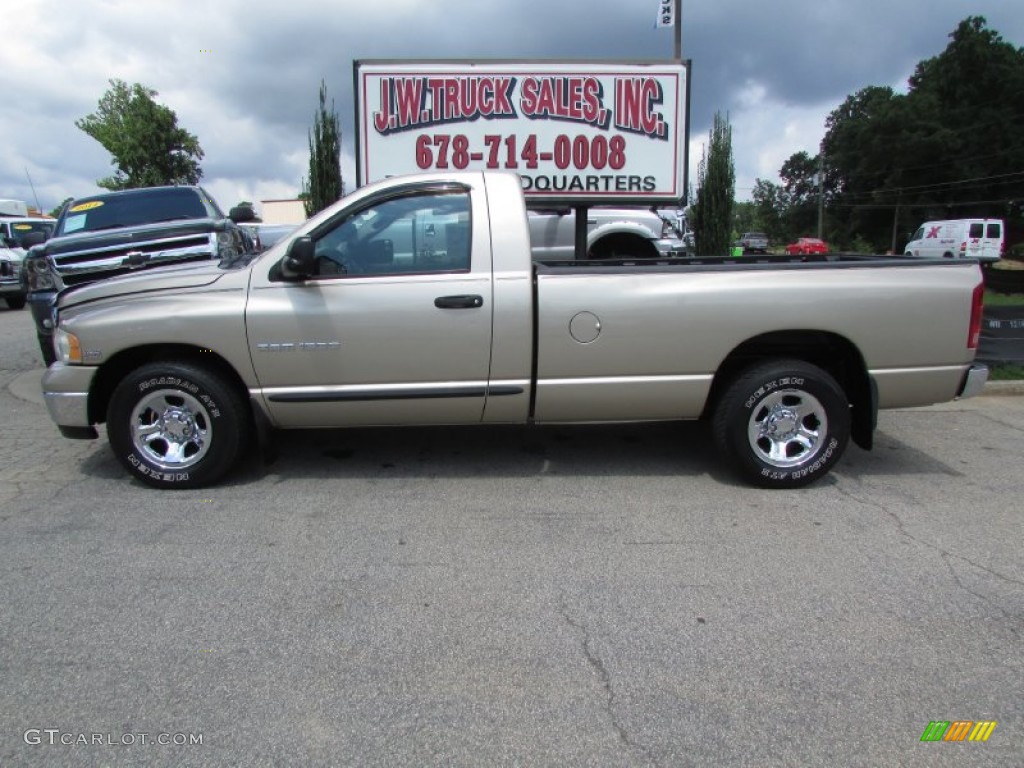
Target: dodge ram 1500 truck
{"type": "Point", "coordinates": [415, 301]}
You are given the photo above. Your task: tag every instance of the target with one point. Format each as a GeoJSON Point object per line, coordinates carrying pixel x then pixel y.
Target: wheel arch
{"type": "Point", "coordinates": [632, 242]}
{"type": "Point", "coordinates": [831, 352]}
{"type": "Point", "coordinates": [124, 362]}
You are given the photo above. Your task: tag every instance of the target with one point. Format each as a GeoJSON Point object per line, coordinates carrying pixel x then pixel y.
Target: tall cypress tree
{"type": "Point", "coordinates": [325, 185]}
{"type": "Point", "coordinates": [716, 182]}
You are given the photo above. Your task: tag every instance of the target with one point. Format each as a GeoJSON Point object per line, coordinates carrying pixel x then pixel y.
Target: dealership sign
{"type": "Point", "coordinates": [575, 132]}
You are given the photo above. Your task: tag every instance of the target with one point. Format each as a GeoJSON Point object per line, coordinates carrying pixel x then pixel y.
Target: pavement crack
{"type": "Point", "coordinates": [1001, 422]}
{"type": "Point", "coordinates": [595, 662]}
{"type": "Point", "coordinates": [946, 556]}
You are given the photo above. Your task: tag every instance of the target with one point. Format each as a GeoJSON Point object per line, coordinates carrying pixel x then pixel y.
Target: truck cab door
{"type": "Point", "coordinates": [393, 327]}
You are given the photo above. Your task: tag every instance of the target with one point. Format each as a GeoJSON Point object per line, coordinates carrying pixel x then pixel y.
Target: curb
{"type": "Point", "coordinates": [28, 386]}
{"type": "Point", "coordinates": [1003, 388]}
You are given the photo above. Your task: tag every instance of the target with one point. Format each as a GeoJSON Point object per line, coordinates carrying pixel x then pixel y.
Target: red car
{"type": "Point", "coordinates": [807, 245]}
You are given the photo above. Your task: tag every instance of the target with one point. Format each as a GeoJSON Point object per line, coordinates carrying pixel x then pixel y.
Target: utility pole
{"type": "Point", "coordinates": [821, 194]}
{"type": "Point", "coordinates": [679, 30]}
{"type": "Point", "coordinates": [896, 221]}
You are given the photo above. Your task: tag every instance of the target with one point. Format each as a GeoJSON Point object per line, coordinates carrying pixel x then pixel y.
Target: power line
{"type": "Point", "coordinates": [945, 186]}
{"type": "Point", "coordinates": [935, 204]}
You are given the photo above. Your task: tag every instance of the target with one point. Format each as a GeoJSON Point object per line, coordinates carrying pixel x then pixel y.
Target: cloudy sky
{"type": "Point", "coordinates": [243, 75]}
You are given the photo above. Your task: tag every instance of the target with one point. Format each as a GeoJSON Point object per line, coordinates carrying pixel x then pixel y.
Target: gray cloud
{"type": "Point", "coordinates": [244, 76]}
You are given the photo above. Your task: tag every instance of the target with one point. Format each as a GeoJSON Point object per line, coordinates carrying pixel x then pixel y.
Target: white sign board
{"type": "Point", "coordinates": [585, 132]}
{"type": "Point", "coordinates": [666, 14]}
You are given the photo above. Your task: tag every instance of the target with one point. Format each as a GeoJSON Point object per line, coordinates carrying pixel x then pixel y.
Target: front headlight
{"type": "Point", "coordinates": [38, 274]}
{"type": "Point", "coordinates": [67, 346]}
{"type": "Point", "coordinates": [227, 245]}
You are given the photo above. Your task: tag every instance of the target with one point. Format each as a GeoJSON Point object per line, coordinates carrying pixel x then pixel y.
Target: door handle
{"type": "Point", "coordinates": [469, 301]}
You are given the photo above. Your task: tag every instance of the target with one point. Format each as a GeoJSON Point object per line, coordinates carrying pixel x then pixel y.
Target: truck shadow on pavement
{"type": "Point", "coordinates": [665, 449]}
{"type": "Point", "coordinates": [890, 457]}
{"type": "Point", "coordinates": [656, 449]}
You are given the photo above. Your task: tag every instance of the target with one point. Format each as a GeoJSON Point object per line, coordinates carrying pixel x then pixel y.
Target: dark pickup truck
{"type": "Point", "coordinates": [113, 234]}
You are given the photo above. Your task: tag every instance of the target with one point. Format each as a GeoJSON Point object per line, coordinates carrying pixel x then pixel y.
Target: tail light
{"type": "Point", "coordinates": [974, 332]}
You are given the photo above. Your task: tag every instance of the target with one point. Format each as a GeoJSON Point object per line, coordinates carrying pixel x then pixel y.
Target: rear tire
{"type": "Point", "coordinates": [175, 425]}
{"type": "Point", "coordinates": [16, 302]}
{"type": "Point", "coordinates": [782, 424]}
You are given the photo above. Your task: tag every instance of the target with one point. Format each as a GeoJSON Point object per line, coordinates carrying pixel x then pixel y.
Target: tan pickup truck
{"type": "Point", "coordinates": [416, 301]}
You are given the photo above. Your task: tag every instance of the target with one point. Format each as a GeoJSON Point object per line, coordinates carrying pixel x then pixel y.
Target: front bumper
{"type": "Point", "coordinates": [8, 288]}
{"type": "Point", "coordinates": [670, 248]}
{"type": "Point", "coordinates": [66, 393]}
{"type": "Point", "coordinates": [973, 381]}
{"type": "Point", "coordinates": [41, 304]}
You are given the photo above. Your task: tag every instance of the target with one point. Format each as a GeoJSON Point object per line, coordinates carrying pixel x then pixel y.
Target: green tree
{"type": "Point", "coordinates": [716, 182]}
{"type": "Point", "coordinates": [56, 211]}
{"type": "Point", "coordinates": [799, 176]}
{"type": "Point", "coordinates": [951, 147]}
{"type": "Point", "coordinates": [867, 146]}
{"type": "Point", "coordinates": [744, 218]}
{"type": "Point", "coordinates": [325, 185]}
{"type": "Point", "coordinates": [249, 204]}
{"type": "Point", "coordinates": [771, 210]}
{"type": "Point", "coordinates": [148, 146]}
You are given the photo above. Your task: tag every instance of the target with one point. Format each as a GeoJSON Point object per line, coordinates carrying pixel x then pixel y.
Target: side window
{"type": "Point", "coordinates": [918, 235]}
{"type": "Point", "coordinates": [977, 230]}
{"type": "Point", "coordinates": [994, 230]}
{"type": "Point", "coordinates": [413, 234]}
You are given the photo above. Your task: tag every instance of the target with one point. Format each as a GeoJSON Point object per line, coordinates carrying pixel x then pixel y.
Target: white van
{"type": "Point", "coordinates": [981, 239]}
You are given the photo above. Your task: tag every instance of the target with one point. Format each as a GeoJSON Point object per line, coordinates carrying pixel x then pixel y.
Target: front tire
{"type": "Point", "coordinates": [16, 302]}
{"type": "Point", "coordinates": [175, 425]}
{"type": "Point", "coordinates": [782, 424]}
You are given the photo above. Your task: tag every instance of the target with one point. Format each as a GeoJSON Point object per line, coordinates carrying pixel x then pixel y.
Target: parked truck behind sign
{"type": "Point", "coordinates": [415, 301]}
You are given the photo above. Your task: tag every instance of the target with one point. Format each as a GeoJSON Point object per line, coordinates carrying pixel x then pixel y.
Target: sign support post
{"type": "Point", "coordinates": [678, 31]}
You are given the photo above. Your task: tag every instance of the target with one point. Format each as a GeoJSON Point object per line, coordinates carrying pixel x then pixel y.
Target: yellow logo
{"type": "Point", "coordinates": [85, 206]}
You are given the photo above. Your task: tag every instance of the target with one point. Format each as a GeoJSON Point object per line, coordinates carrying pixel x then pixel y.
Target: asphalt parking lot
{"type": "Point", "coordinates": [504, 596]}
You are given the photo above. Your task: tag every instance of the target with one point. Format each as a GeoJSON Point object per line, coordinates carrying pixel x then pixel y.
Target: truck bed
{"type": "Point", "coordinates": [657, 343]}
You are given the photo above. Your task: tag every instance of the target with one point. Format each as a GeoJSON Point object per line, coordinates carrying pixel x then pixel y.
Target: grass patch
{"type": "Point", "coordinates": [993, 299]}
{"type": "Point", "coordinates": [1005, 371]}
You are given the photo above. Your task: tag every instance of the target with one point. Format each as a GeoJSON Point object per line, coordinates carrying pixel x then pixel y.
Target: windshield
{"type": "Point", "coordinates": [14, 231]}
{"type": "Point", "coordinates": [144, 206]}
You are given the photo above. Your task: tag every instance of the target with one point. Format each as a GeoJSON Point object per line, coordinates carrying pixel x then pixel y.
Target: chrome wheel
{"type": "Point", "coordinates": [787, 428]}
{"type": "Point", "coordinates": [171, 429]}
